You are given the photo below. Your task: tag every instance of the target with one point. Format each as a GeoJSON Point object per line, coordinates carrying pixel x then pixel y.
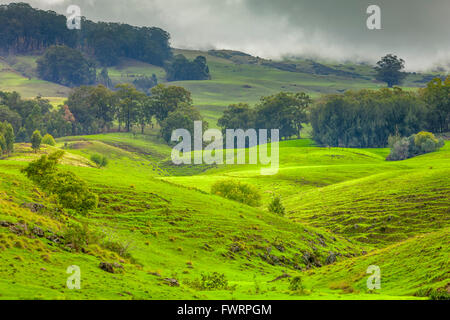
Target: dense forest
{"type": "Point", "coordinates": [364, 118]}
{"type": "Point", "coordinates": [26, 30]}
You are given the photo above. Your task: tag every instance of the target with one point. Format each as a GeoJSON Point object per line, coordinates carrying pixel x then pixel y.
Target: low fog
{"type": "Point", "coordinates": [416, 30]}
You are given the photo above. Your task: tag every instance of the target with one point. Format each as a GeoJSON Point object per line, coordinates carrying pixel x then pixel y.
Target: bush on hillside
{"type": "Point", "coordinates": [412, 146]}
{"type": "Point", "coordinates": [48, 140]}
{"type": "Point", "coordinates": [275, 206]}
{"type": "Point", "coordinates": [213, 281]}
{"type": "Point", "coordinates": [99, 160]}
{"type": "Point", "coordinates": [76, 236]}
{"type": "Point", "coordinates": [237, 191]}
{"type": "Point", "coordinates": [71, 191]}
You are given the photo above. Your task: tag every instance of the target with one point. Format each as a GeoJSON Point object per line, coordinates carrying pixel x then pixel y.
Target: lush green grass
{"type": "Point", "coordinates": [342, 202]}
{"type": "Point", "coordinates": [128, 70]}
{"type": "Point", "coordinates": [29, 86]}
{"type": "Point", "coordinates": [178, 230]}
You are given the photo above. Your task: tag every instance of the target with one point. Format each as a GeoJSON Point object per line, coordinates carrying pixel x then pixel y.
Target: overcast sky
{"type": "Point", "coordinates": [416, 30]}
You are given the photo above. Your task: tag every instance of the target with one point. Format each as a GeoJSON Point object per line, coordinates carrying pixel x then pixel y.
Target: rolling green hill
{"type": "Point", "coordinates": [165, 236]}
{"type": "Point", "coordinates": [175, 231]}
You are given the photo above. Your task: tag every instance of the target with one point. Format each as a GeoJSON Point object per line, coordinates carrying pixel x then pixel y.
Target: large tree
{"type": "Point", "coordinates": [129, 105]}
{"type": "Point", "coordinates": [238, 116]}
{"type": "Point", "coordinates": [284, 111]}
{"type": "Point", "coordinates": [6, 138]}
{"type": "Point", "coordinates": [389, 70]}
{"type": "Point", "coordinates": [182, 118]}
{"type": "Point", "coordinates": [166, 99]}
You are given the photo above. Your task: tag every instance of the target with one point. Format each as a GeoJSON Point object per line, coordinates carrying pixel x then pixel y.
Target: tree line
{"type": "Point", "coordinates": [284, 111]}
{"type": "Point", "coordinates": [97, 109]}
{"type": "Point", "coordinates": [365, 118]}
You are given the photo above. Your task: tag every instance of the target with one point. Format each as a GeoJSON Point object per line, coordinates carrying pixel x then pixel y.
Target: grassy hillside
{"type": "Point", "coordinates": [352, 192]}
{"type": "Point", "coordinates": [18, 74]}
{"type": "Point", "coordinates": [236, 77]}
{"type": "Point", "coordinates": [176, 231]}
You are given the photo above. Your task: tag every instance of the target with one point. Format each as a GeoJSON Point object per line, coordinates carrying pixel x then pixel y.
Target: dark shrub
{"type": "Point", "coordinates": [276, 206]}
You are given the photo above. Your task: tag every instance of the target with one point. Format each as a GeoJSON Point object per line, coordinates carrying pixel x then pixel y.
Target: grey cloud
{"type": "Point", "coordinates": [416, 30]}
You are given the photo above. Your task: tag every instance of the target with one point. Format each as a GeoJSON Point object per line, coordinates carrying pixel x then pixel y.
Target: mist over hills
{"type": "Point", "coordinates": [335, 30]}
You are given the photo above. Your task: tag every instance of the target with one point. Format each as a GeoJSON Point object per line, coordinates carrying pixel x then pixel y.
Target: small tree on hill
{"type": "Point", "coordinates": [7, 137]}
{"type": "Point", "coordinates": [36, 140]}
{"type": "Point", "coordinates": [389, 70]}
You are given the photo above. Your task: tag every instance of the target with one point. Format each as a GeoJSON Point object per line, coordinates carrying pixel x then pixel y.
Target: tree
{"type": "Point", "coordinates": [437, 97]}
{"type": "Point", "coordinates": [145, 112]}
{"type": "Point", "coordinates": [102, 102]}
{"type": "Point", "coordinates": [12, 117]}
{"type": "Point", "coordinates": [275, 206]}
{"type": "Point", "coordinates": [27, 30]}
{"type": "Point", "coordinates": [66, 66]}
{"type": "Point", "coordinates": [238, 116]}
{"type": "Point", "coordinates": [168, 99]}
{"type": "Point", "coordinates": [284, 111]}
{"type": "Point", "coordinates": [104, 79]}
{"type": "Point", "coordinates": [181, 68]}
{"type": "Point", "coordinates": [181, 118]}
{"type": "Point", "coordinates": [3, 140]}
{"type": "Point", "coordinates": [22, 135]}
{"type": "Point", "coordinates": [6, 138]}
{"type": "Point", "coordinates": [9, 137]}
{"type": "Point", "coordinates": [414, 145]}
{"type": "Point", "coordinates": [389, 70]}
{"type": "Point", "coordinates": [366, 118]}
{"type": "Point", "coordinates": [36, 140]}
{"type": "Point", "coordinates": [129, 102]}
{"type": "Point", "coordinates": [145, 83]}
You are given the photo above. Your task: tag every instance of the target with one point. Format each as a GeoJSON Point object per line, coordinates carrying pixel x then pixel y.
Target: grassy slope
{"type": "Point", "coordinates": [232, 81]}
{"type": "Point", "coordinates": [181, 231]}
{"type": "Point", "coordinates": [338, 200]}
{"type": "Point", "coordinates": [410, 267]}
{"type": "Point", "coordinates": [352, 192]}
{"type": "Point", "coordinates": [170, 226]}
